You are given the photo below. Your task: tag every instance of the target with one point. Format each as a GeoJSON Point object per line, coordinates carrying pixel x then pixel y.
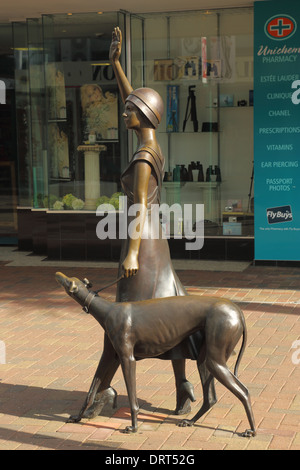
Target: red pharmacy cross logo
{"type": "Point", "coordinates": [280, 27]}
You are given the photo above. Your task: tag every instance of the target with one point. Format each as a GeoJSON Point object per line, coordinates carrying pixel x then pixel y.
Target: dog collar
{"type": "Point", "coordinates": [88, 301]}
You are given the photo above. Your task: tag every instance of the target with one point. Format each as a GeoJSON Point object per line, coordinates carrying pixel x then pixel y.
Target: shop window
{"type": "Point", "coordinates": [76, 144]}
{"type": "Point", "coordinates": [202, 65]}
{"type": "Point", "coordinates": [72, 142]}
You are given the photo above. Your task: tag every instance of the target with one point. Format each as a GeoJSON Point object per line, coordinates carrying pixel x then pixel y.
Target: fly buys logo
{"type": "Point", "coordinates": [277, 215]}
{"type": "Point", "coordinates": [2, 92]}
{"type": "Point", "coordinates": [280, 27]}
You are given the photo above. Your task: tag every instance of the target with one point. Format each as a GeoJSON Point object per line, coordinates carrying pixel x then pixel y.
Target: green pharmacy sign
{"type": "Point", "coordinates": [277, 130]}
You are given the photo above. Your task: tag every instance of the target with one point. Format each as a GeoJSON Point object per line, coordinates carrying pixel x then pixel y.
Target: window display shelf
{"type": "Point", "coordinates": [59, 179]}
{"type": "Point", "coordinates": [229, 107]}
{"type": "Point", "coordinates": [189, 132]}
{"type": "Point", "coordinates": [57, 120]}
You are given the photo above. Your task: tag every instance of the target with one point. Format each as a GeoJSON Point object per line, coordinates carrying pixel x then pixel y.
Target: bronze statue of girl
{"type": "Point", "coordinates": [145, 259]}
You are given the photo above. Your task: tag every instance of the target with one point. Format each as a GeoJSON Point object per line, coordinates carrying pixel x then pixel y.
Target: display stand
{"type": "Point", "coordinates": [91, 173]}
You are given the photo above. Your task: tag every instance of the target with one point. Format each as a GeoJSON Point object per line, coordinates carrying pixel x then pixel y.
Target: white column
{"type": "Point", "coordinates": [91, 173]}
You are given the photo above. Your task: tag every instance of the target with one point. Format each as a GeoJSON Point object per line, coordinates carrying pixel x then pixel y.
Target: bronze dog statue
{"type": "Point", "coordinates": [146, 329]}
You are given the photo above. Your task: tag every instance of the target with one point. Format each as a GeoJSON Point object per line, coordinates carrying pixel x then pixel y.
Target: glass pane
{"type": "Point", "coordinates": [38, 113]}
{"type": "Point", "coordinates": [201, 63]}
{"type": "Point", "coordinates": [236, 118]}
{"type": "Point", "coordinates": [137, 51]}
{"type": "Point", "coordinates": [23, 118]}
{"type": "Point", "coordinates": [8, 149]}
{"type": "Point", "coordinates": [86, 144]}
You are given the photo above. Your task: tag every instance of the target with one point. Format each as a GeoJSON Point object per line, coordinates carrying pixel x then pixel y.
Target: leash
{"type": "Point", "coordinates": [110, 284]}
{"type": "Point", "coordinates": [89, 284]}
{"type": "Point", "coordinates": [92, 294]}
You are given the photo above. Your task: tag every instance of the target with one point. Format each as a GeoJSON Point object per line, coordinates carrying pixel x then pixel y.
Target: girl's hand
{"type": "Point", "coordinates": [116, 45]}
{"type": "Point", "coordinates": [130, 265]}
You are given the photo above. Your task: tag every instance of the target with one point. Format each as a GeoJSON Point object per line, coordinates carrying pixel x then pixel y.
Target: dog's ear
{"type": "Point", "coordinates": [87, 283]}
{"type": "Point", "coordinates": [73, 289]}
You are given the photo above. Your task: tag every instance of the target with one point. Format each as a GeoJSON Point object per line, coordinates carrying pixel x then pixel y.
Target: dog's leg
{"type": "Point", "coordinates": [88, 401]}
{"type": "Point", "coordinates": [128, 364]}
{"type": "Point", "coordinates": [209, 394]}
{"type": "Point", "coordinates": [104, 394]}
{"type": "Point", "coordinates": [106, 369]}
{"type": "Point", "coordinates": [225, 377]}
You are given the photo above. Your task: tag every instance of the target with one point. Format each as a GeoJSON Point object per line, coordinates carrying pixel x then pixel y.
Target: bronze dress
{"type": "Point", "coordinates": [156, 277]}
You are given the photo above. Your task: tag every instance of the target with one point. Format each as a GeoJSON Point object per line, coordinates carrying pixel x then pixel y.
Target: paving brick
{"type": "Point", "coordinates": [53, 350]}
{"type": "Point", "coordinates": [280, 443]}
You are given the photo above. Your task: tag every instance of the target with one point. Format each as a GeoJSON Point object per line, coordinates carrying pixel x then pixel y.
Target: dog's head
{"type": "Point", "coordinates": [75, 288]}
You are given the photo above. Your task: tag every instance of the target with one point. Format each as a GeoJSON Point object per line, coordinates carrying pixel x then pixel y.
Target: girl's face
{"type": "Point", "coordinates": [131, 115]}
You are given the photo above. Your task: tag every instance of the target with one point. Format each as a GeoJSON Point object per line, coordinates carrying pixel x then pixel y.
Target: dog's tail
{"type": "Point", "coordinates": [242, 350]}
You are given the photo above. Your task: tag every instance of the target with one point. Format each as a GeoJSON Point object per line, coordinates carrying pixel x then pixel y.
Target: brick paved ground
{"type": "Point", "coordinates": [52, 351]}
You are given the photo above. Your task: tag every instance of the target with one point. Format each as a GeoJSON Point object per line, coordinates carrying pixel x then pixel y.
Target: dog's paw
{"type": "Point", "coordinates": [185, 423]}
{"type": "Point", "coordinates": [74, 419]}
{"type": "Point", "coordinates": [249, 433]}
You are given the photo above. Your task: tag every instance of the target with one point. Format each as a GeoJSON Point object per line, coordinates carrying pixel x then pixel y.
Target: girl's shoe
{"type": "Point", "coordinates": [108, 396]}
{"type": "Point", "coordinates": [184, 396]}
